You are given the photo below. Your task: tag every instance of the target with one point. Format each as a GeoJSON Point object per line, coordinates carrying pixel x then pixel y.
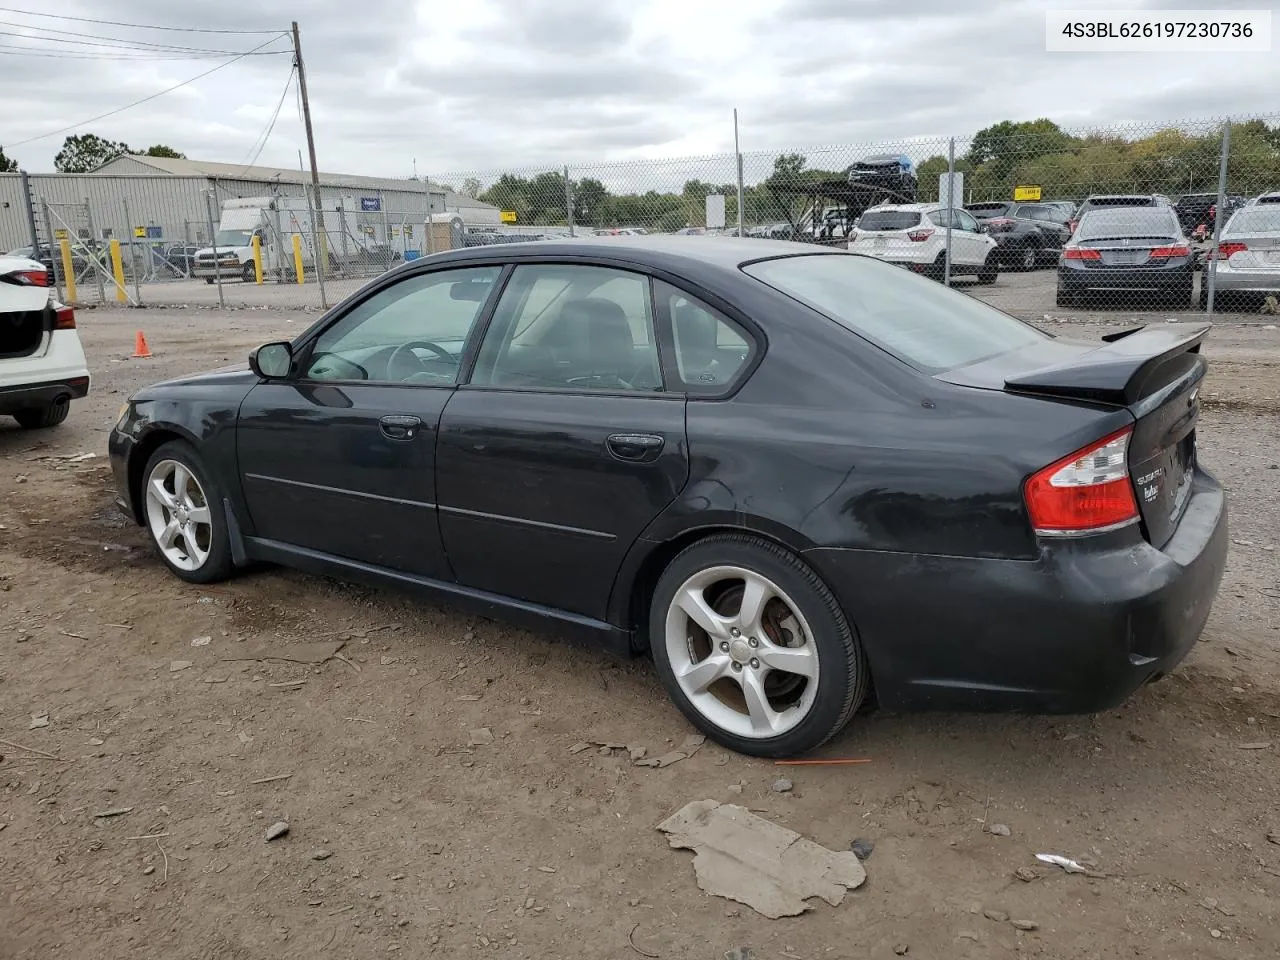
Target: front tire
{"type": "Point", "coordinates": [183, 513]}
{"type": "Point", "coordinates": [42, 418]}
{"type": "Point", "coordinates": [990, 270]}
{"type": "Point", "coordinates": [753, 647]}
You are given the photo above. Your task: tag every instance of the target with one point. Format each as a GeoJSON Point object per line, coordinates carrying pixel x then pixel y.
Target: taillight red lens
{"type": "Point", "coordinates": [1226, 249]}
{"type": "Point", "coordinates": [1081, 253]}
{"type": "Point", "coordinates": [1166, 252]}
{"type": "Point", "coordinates": [64, 318]}
{"type": "Point", "coordinates": [919, 235]}
{"type": "Point", "coordinates": [1086, 490]}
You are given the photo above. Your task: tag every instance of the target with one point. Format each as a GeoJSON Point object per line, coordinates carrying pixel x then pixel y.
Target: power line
{"type": "Point", "coordinates": [122, 43]}
{"type": "Point", "coordinates": [136, 103]}
{"type": "Point", "coordinates": [271, 125]}
{"type": "Point", "coordinates": [135, 26]}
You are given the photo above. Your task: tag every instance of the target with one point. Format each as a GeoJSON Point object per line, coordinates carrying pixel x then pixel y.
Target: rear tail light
{"type": "Point", "coordinates": [64, 318]}
{"type": "Point", "coordinates": [28, 278]}
{"type": "Point", "coordinates": [1081, 253]}
{"type": "Point", "coordinates": [919, 236]}
{"type": "Point", "coordinates": [1086, 491]}
{"type": "Point", "coordinates": [1163, 253]}
{"type": "Point", "coordinates": [1225, 250]}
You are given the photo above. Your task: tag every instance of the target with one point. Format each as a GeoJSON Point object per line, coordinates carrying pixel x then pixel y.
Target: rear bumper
{"type": "Point", "coordinates": [1077, 630]}
{"type": "Point", "coordinates": [1084, 279]}
{"type": "Point", "coordinates": [29, 396]}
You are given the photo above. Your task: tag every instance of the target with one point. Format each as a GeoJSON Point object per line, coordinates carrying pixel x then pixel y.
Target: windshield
{"type": "Point", "coordinates": [233, 238]}
{"type": "Point", "coordinates": [1126, 222]}
{"type": "Point", "coordinates": [916, 320]}
{"type": "Point", "coordinates": [889, 220]}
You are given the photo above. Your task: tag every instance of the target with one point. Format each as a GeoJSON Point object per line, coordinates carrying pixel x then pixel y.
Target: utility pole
{"type": "Point", "coordinates": [320, 255]}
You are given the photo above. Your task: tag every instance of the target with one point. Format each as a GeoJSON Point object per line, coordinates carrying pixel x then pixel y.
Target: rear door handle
{"type": "Point", "coordinates": [636, 447]}
{"type": "Point", "coordinates": [399, 428]}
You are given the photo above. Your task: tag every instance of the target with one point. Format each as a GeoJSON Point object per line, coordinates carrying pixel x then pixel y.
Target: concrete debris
{"type": "Point", "coordinates": [746, 858]}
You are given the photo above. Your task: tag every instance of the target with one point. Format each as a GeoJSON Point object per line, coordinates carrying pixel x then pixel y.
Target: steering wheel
{"type": "Point", "coordinates": [405, 350]}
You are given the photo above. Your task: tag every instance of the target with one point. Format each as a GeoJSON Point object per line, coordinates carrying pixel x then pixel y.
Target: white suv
{"type": "Point", "coordinates": [42, 365]}
{"type": "Point", "coordinates": [914, 235]}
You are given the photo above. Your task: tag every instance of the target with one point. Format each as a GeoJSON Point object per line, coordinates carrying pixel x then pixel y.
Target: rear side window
{"type": "Point", "coordinates": [916, 320]}
{"type": "Point", "coordinates": [889, 220]}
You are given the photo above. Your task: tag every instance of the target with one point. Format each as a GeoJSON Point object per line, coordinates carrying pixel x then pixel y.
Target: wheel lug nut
{"type": "Point", "coordinates": [754, 642]}
{"type": "Point", "coordinates": [724, 647]}
{"type": "Point", "coordinates": [755, 664]}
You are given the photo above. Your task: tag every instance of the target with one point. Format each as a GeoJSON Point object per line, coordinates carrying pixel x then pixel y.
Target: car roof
{"type": "Point", "coordinates": [665, 250]}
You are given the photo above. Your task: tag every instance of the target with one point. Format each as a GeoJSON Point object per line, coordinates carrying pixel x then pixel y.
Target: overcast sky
{"type": "Point", "coordinates": [480, 85]}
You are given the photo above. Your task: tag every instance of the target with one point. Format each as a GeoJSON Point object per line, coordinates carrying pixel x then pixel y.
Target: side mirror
{"type": "Point", "coordinates": [271, 361]}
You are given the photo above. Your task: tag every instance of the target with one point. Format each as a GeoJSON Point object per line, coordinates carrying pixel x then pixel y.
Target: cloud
{"type": "Point", "coordinates": [605, 86]}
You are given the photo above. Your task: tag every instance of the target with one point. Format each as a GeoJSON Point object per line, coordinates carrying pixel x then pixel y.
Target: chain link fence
{"type": "Point", "coordinates": [1144, 221]}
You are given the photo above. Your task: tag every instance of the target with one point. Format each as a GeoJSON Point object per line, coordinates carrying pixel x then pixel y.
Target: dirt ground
{"type": "Point", "coordinates": [520, 848]}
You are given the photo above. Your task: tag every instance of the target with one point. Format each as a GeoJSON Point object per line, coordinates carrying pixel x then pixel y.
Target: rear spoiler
{"type": "Point", "coordinates": [1123, 370]}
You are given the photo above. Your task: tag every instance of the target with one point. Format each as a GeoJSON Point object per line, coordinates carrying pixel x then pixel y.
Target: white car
{"type": "Point", "coordinates": [914, 235]}
{"type": "Point", "coordinates": [42, 365]}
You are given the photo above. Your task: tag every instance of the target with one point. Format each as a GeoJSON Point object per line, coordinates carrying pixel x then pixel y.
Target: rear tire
{"type": "Point", "coordinates": [792, 689]}
{"type": "Point", "coordinates": [41, 418]}
{"type": "Point", "coordinates": [990, 270]}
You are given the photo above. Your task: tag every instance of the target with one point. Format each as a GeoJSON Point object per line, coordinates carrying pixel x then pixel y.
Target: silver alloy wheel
{"type": "Point", "coordinates": [178, 515]}
{"type": "Point", "coordinates": [742, 652]}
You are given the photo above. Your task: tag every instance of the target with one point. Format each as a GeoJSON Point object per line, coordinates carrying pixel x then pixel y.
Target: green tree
{"type": "Point", "coordinates": [7, 165]}
{"type": "Point", "coordinates": [160, 150]}
{"type": "Point", "coordinates": [87, 152]}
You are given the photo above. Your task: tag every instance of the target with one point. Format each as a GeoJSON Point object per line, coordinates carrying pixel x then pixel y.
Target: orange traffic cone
{"type": "Point", "coordinates": [140, 349]}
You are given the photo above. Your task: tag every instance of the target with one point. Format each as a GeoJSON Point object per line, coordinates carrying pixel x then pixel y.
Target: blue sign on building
{"type": "Point", "coordinates": [370, 204]}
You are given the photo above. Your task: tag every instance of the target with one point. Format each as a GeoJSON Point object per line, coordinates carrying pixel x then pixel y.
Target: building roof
{"type": "Point", "coordinates": [182, 167]}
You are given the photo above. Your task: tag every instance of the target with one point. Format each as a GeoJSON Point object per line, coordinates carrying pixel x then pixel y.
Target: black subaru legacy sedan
{"type": "Point", "coordinates": [795, 477]}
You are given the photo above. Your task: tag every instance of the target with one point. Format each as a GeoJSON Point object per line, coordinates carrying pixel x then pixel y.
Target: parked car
{"type": "Point", "coordinates": [1248, 255]}
{"type": "Point", "coordinates": [1127, 250]}
{"type": "Point", "coordinates": [891, 175]}
{"type": "Point", "coordinates": [42, 364]}
{"type": "Point", "coordinates": [1117, 200]}
{"type": "Point", "coordinates": [714, 502]}
{"type": "Point", "coordinates": [1026, 234]}
{"type": "Point", "coordinates": [915, 236]}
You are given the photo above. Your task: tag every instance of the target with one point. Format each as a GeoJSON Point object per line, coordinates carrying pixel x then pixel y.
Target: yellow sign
{"type": "Point", "coordinates": [140, 232]}
{"type": "Point", "coordinates": [1026, 193]}
{"type": "Point", "coordinates": [60, 235]}
{"type": "Point", "coordinates": [507, 216]}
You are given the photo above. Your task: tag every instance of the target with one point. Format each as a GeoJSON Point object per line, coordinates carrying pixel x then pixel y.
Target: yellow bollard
{"type": "Point", "coordinates": [68, 269]}
{"type": "Point", "coordinates": [257, 257]}
{"type": "Point", "coordinates": [297, 256]}
{"type": "Point", "coordinates": [117, 271]}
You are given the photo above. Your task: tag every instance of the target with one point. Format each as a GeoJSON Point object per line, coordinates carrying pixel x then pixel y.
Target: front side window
{"type": "Point", "coordinates": [571, 327]}
{"type": "Point", "coordinates": [413, 331]}
{"type": "Point", "coordinates": [916, 320]}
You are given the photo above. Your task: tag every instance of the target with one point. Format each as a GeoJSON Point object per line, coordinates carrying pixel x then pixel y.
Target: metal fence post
{"type": "Point", "coordinates": [133, 253]}
{"type": "Point", "coordinates": [568, 200]}
{"type": "Point", "coordinates": [951, 207]}
{"type": "Point", "coordinates": [213, 245]}
{"type": "Point", "coordinates": [57, 273]}
{"type": "Point", "coordinates": [1218, 218]}
{"type": "Point", "coordinates": [93, 253]}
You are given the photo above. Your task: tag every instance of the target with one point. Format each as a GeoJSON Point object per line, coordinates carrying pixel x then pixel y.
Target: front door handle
{"type": "Point", "coordinates": [636, 447]}
{"type": "Point", "coordinates": [399, 428]}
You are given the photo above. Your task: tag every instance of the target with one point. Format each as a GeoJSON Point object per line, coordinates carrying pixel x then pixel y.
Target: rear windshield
{"type": "Point", "coordinates": [1257, 219]}
{"type": "Point", "coordinates": [889, 220]}
{"type": "Point", "coordinates": [916, 320]}
{"type": "Point", "coordinates": [983, 210]}
{"type": "Point", "coordinates": [1120, 202]}
{"type": "Point", "coordinates": [1127, 222]}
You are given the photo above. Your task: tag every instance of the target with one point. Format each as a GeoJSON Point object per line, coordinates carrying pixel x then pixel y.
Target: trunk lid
{"type": "Point", "coordinates": [1153, 372]}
